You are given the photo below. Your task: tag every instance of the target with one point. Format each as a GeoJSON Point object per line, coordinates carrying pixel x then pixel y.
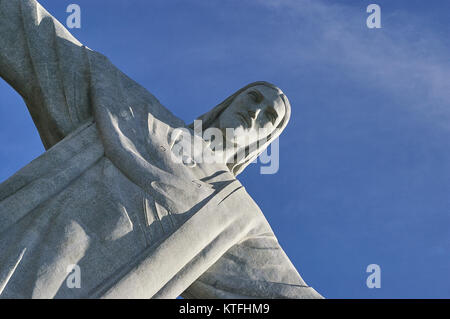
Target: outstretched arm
{"type": "Point", "coordinates": [42, 61]}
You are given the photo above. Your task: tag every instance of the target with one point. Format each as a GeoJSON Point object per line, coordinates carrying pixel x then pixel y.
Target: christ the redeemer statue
{"type": "Point", "coordinates": [107, 195]}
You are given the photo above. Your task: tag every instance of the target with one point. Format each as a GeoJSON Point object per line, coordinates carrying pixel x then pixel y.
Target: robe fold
{"type": "Point", "coordinates": [107, 195]}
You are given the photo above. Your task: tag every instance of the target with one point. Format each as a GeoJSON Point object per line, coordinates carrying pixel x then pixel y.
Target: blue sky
{"type": "Point", "coordinates": [365, 162]}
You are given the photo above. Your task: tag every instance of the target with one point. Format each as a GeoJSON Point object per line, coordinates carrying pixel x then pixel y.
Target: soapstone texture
{"type": "Point", "coordinates": [107, 196]}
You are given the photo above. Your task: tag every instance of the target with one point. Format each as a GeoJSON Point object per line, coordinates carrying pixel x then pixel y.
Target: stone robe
{"type": "Point", "coordinates": [107, 196]}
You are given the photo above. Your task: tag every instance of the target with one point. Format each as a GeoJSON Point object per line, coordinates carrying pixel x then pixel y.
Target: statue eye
{"type": "Point", "coordinates": [256, 96]}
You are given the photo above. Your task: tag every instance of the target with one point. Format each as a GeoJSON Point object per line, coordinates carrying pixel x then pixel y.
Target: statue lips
{"type": "Point", "coordinates": [244, 119]}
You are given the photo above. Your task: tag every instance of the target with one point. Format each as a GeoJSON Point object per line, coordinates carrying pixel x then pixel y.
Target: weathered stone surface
{"type": "Point", "coordinates": [107, 195]}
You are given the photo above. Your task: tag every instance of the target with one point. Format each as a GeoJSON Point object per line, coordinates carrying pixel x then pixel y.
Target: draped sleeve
{"type": "Point", "coordinates": [47, 66]}
{"type": "Point", "coordinates": [255, 268]}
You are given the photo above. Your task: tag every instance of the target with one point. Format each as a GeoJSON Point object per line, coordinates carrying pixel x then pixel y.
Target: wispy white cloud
{"type": "Point", "coordinates": [404, 58]}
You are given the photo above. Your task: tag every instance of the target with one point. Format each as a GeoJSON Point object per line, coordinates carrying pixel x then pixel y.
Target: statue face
{"type": "Point", "coordinates": [253, 114]}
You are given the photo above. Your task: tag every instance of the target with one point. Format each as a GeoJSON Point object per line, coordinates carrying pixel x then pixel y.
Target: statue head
{"type": "Point", "coordinates": [256, 114]}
